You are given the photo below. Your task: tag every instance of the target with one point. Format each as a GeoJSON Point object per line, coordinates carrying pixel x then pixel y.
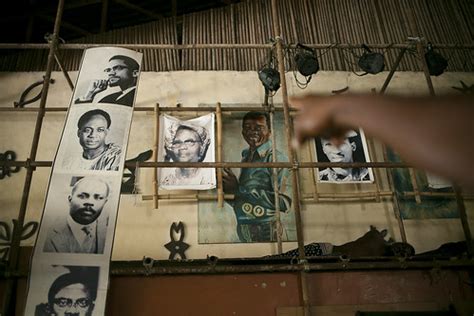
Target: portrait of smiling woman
{"type": "Point", "coordinates": [188, 141]}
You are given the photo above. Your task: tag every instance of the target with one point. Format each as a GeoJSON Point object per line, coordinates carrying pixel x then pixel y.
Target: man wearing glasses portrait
{"type": "Point", "coordinates": [73, 293]}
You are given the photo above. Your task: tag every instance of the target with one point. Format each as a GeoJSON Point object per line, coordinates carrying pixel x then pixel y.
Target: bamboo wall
{"type": "Point", "coordinates": [304, 21]}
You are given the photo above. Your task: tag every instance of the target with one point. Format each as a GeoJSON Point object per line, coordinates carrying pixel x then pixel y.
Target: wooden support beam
{"type": "Point", "coordinates": [134, 7]}
{"type": "Point", "coordinates": [66, 25]}
{"type": "Point", "coordinates": [103, 18]}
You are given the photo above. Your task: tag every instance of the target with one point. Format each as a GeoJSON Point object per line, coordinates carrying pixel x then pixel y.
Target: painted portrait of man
{"type": "Point", "coordinates": [251, 215]}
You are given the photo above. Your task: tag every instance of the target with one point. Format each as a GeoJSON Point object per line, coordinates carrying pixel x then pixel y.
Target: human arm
{"type": "Point", "coordinates": [94, 88]}
{"type": "Point", "coordinates": [435, 134]}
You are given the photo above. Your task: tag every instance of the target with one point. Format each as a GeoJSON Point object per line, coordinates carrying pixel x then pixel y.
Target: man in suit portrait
{"type": "Point", "coordinates": [84, 229]}
{"type": "Point", "coordinates": [122, 72]}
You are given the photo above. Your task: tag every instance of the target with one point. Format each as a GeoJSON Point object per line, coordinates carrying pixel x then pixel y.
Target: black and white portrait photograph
{"type": "Point", "coordinates": [77, 215]}
{"type": "Point", "coordinates": [108, 75]}
{"type": "Point", "coordinates": [352, 149]}
{"type": "Point", "coordinates": [64, 291]}
{"type": "Point", "coordinates": [187, 141]}
{"type": "Point", "coordinates": [94, 139]}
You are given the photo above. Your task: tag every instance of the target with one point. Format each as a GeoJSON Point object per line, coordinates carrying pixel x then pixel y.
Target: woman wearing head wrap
{"type": "Point", "coordinates": [186, 142]}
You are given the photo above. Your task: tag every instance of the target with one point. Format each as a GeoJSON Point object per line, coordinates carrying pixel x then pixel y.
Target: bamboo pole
{"type": "Point", "coordinates": [103, 18]}
{"type": "Point", "coordinates": [294, 174]}
{"type": "Point", "coordinates": [415, 185]}
{"type": "Point", "coordinates": [420, 49]}
{"type": "Point", "coordinates": [65, 73]}
{"type": "Point", "coordinates": [172, 164]}
{"type": "Point", "coordinates": [276, 186]}
{"type": "Point", "coordinates": [396, 204]}
{"type": "Point", "coordinates": [463, 218]}
{"type": "Point", "coordinates": [155, 155]}
{"type": "Point", "coordinates": [312, 174]}
{"type": "Point", "coordinates": [392, 71]}
{"type": "Point", "coordinates": [376, 180]}
{"type": "Point", "coordinates": [199, 46]}
{"type": "Point", "coordinates": [16, 238]}
{"type": "Point", "coordinates": [220, 184]}
{"type": "Point", "coordinates": [307, 198]}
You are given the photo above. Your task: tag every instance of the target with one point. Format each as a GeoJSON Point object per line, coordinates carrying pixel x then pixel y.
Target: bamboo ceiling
{"type": "Point", "coordinates": [304, 21]}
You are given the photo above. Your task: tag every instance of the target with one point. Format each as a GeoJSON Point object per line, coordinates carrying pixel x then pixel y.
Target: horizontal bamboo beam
{"type": "Point", "coordinates": [168, 109]}
{"type": "Point", "coordinates": [437, 194]}
{"type": "Point", "coordinates": [326, 197]}
{"type": "Point", "coordinates": [171, 164]}
{"type": "Point", "coordinates": [350, 195]}
{"type": "Point", "coordinates": [187, 196]}
{"type": "Point", "coordinates": [220, 46]}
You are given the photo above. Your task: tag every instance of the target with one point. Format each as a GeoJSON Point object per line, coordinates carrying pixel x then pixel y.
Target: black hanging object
{"type": "Point", "coordinates": [436, 63]}
{"type": "Point", "coordinates": [270, 78]}
{"type": "Point", "coordinates": [371, 62]}
{"type": "Point", "coordinates": [177, 247]}
{"type": "Point", "coordinates": [306, 61]}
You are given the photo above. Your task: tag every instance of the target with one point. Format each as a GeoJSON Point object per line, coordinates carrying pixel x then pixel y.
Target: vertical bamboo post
{"type": "Point", "coordinates": [291, 156]}
{"type": "Point", "coordinates": [16, 238]}
{"type": "Point", "coordinates": [396, 204]}
{"type": "Point", "coordinates": [375, 171]}
{"type": "Point", "coordinates": [419, 47]}
{"type": "Point", "coordinates": [103, 17]}
{"type": "Point", "coordinates": [313, 176]}
{"type": "Point", "coordinates": [276, 187]}
{"type": "Point", "coordinates": [416, 190]}
{"type": "Point", "coordinates": [155, 154]}
{"type": "Point", "coordinates": [463, 218]}
{"type": "Point", "coordinates": [220, 185]}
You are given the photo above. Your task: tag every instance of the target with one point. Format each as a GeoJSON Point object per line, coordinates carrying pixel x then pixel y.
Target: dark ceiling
{"type": "Point", "coordinates": [29, 20]}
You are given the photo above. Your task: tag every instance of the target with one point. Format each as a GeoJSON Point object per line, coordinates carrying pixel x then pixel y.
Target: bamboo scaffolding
{"type": "Point", "coordinates": [171, 164]}
{"type": "Point", "coordinates": [376, 176]}
{"type": "Point", "coordinates": [155, 155]}
{"type": "Point", "coordinates": [17, 233]}
{"type": "Point", "coordinates": [220, 184]}
{"type": "Point", "coordinates": [307, 198]}
{"type": "Point", "coordinates": [276, 187]}
{"type": "Point", "coordinates": [312, 173]}
{"type": "Point", "coordinates": [464, 219]}
{"type": "Point", "coordinates": [291, 156]}
{"type": "Point", "coordinates": [80, 46]}
{"type": "Point", "coordinates": [247, 51]}
{"type": "Point", "coordinates": [396, 204]}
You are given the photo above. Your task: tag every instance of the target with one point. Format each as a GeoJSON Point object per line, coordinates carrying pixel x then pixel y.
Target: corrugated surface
{"type": "Point", "coordinates": [304, 21]}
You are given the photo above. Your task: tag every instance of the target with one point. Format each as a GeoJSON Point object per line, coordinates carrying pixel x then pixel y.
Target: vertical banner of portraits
{"type": "Point", "coordinates": [251, 215]}
{"type": "Point", "coordinates": [187, 141]}
{"type": "Point", "coordinates": [353, 149]}
{"type": "Point", "coordinates": [70, 265]}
